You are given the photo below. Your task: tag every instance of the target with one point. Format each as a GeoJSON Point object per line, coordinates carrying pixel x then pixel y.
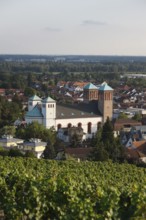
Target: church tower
{"type": "Point", "coordinates": [33, 101]}
{"type": "Point", "coordinates": [49, 112]}
{"type": "Point", "coordinates": [105, 101]}
{"type": "Point", "coordinates": [90, 92]}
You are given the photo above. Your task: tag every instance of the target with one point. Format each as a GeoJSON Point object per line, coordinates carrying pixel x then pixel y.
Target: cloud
{"type": "Point", "coordinates": [50, 29]}
{"type": "Point", "coordinates": [91, 22]}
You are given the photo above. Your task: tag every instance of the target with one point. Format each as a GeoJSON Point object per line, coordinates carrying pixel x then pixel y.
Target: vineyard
{"type": "Point", "coordinates": [68, 190]}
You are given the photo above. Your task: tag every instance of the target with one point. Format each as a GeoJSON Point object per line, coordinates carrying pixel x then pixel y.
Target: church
{"type": "Point", "coordinates": [88, 115]}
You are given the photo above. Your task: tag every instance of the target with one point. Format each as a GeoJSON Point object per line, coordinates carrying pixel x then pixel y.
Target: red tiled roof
{"type": "Point", "coordinates": [80, 84]}
{"type": "Point", "coordinates": [138, 144]}
{"type": "Point", "coordinates": [2, 90]}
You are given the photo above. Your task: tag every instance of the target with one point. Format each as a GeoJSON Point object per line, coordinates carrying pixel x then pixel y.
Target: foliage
{"type": "Point", "coordinates": [49, 152]}
{"type": "Point", "coordinates": [29, 154]}
{"type": "Point", "coordinates": [107, 132]}
{"type": "Point", "coordinates": [99, 153]}
{"type": "Point", "coordinates": [75, 136]}
{"type": "Point", "coordinates": [29, 92]}
{"type": "Point", "coordinates": [122, 115]}
{"type": "Point", "coordinates": [106, 146]}
{"type": "Point", "coordinates": [14, 152]}
{"type": "Point", "coordinates": [43, 189]}
{"type": "Point", "coordinates": [8, 130]}
{"type": "Point", "coordinates": [137, 117]}
{"type": "Point", "coordinates": [23, 75]}
{"type": "Point", "coordinates": [3, 152]}
{"type": "Point", "coordinates": [9, 112]}
{"type": "Point", "coordinates": [36, 130]}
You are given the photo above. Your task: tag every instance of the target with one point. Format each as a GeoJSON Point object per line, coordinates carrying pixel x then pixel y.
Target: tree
{"type": "Point", "coordinates": [97, 137]}
{"type": "Point", "coordinates": [13, 152]}
{"type": "Point", "coordinates": [122, 115]}
{"type": "Point", "coordinates": [99, 153]}
{"type": "Point", "coordinates": [137, 116]}
{"type": "Point", "coordinates": [29, 154]}
{"type": "Point", "coordinates": [9, 112]}
{"type": "Point", "coordinates": [115, 150]}
{"type": "Point", "coordinates": [8, 130]}
{"type": "Point", "coordinates": [36, 130]}
{"type": "Point", "coordinates": [105, 145]}
{"type": "Point", "coordinates": [107, 132]}
{"type": "Point", "coordinates": [29, 91]}
{"type": "Point", "coordinates": [49, 152]}
{"type": "Point", "coordinates": [75, 135]}
{"type": "Point", "coordinates": [3, 152]}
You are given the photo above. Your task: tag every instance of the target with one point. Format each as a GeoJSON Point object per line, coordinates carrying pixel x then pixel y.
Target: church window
{"type": "Point", "coordinates": [59, 126]}
{"type": "Point", "coordinates": [89, 127]}
{"type": "Point", "coordinates": [79, 125]}
{"type": "Point", "coordinates": [69, 125]}
{"type": "Point", "coordinates": [98, 125]}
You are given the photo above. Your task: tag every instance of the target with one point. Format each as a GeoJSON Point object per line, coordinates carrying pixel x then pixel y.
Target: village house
{"type": "Point", "coordinates": [34, 145]}
{"type": "Point", "coordinates": [7, 141]}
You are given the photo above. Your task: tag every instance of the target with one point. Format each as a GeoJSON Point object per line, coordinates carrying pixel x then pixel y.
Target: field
{"type": "Point", "coordinates": [68, 190]}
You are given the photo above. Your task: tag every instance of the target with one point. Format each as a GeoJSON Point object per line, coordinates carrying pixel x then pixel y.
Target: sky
{"type": "Point", "coordinates": [73, 27]}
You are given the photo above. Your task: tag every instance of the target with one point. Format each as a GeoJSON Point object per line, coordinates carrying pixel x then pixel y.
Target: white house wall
{"type": "Point", "coordinates": [84, 121]}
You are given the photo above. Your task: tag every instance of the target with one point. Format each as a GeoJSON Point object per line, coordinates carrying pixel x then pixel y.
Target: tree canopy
{"type": "Point", "coordinates": [36, 130]}
{"type": "Point", "coordinates": [106, 146]}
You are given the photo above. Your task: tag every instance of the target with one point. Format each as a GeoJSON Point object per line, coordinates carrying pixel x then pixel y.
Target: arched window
{"type": "Point", "coordinates": [59, 126]}
{"type": "Point", "coordinates": [79, 125]}
{"type": "Point", "coordinates": [69, 125]}
{"type": "Point", "coordinates": [89, 127]}
{"type": "Point", "coordinates": [98, 125]}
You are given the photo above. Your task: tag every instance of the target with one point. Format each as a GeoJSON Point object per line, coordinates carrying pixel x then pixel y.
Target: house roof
{"type": "Point", "coordinates": [81, 110]}
{"type": "Point", "coordinates": [35, 144]}
{"type": "Point", "coordinates": [127, 121]}
{"type": "Point", "coordinates": [48, 99]}
{"type": "Point", "coordinates": [35, 98]}
{"type": "Point", "coordinates": [81, 153]}
{"type": "Point", "coordinates": [140, 146]}
{"type": "Point", "coordinates": [90, 86]}
{"type": "Point", "coordinates": [10, 140]}
{"type": "Point", "coordinates": [105, 87]}
{"type": "Point", "coordinates": [35, 112]}
{"type": "Point", "coordinates": [80, 84]}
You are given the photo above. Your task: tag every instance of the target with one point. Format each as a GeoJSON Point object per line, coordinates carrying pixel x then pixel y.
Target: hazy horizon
{"type": "Point", "coordinates": [79, 27]}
